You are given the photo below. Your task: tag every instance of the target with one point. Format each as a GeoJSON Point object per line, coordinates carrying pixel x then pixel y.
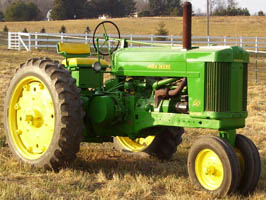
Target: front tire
{"type": "Point", "coordinates": [213, 166]}
{"type": "Point", "coordinates": [43, 114]}
{"type": "Point", "coordinates": [250, 164]}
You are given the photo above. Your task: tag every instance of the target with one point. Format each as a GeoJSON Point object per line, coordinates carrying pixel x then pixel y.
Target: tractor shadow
{"type": "Point", "coordinates": [120, 163]}
{"type": "Point", "coordinates": [111, 162]}
{"type": "Point", "coordinates": [262, 181]}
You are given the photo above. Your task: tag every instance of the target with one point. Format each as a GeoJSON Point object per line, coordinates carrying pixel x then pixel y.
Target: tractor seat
{"type": "Point", "coordinates": [83, 62]}
{"type": "Point", "coordinates": [76, 55]}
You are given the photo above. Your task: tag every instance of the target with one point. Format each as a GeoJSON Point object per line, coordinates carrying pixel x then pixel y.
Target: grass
{"type": "Point", "coordinates": [219, 26]}
{"type": "Point", "coordinates": [100, 172]}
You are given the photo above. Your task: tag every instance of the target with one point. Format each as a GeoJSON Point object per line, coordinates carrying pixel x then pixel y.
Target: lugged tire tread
{"type": "Point", "coordinates": [70, 117]}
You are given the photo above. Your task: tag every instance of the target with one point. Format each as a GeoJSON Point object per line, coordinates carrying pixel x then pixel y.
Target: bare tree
{"type": "Point", "coordinates": [44, 6]}
{"type": "Point", "coordinates": [232, 3]}
{"type": "Point", "coordinates": [217, 5]}
{"type": "Point", "coordinates": [142, 5]}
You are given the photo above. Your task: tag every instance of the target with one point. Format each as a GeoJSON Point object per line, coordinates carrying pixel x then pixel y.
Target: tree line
{"type": "Point", "coordinates": [78, 9]}
{"type": "Point", "coordinates": [227, 8]}
{"type": "Point", "coordinates": [25, 10]}
{"type": "Point", "coordinates": [20, 10]}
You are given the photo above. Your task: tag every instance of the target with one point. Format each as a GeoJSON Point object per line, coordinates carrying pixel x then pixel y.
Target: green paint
{"type": "Point", "coordinates": [229, 135]}
{"type": "Point", "coordinates": [216, 91]}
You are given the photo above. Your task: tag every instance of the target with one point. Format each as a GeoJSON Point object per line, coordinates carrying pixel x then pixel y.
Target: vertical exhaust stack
{"type": "Point", "coordinates": [187, 21]}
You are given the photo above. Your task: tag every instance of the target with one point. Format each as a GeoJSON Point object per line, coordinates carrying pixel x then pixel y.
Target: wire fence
{"type": "Point", "coordinates": [255, 45]}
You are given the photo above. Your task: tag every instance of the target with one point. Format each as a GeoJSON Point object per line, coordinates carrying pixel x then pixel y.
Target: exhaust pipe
{"type": "Point", "coordinates": [187, 21]}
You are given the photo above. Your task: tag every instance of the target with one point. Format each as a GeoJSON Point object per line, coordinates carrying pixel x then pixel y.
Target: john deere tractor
{"type": "Point", "coordinates": [150, 95]}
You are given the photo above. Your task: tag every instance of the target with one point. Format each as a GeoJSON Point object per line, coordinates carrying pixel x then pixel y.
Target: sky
{"type": "Point", "coordinates": [254, 6]}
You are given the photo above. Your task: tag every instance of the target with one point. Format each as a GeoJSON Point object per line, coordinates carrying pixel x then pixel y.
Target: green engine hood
{"type": "Point", "coordinates": [170, 61]}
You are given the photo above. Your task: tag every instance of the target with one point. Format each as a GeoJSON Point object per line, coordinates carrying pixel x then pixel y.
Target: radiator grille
{"type": "Point", "coordinates": [245, 85]}
{"type": "Point", "coordinates": [217, 87]}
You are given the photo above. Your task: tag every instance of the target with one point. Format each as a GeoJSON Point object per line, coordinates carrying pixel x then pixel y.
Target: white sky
{"type": "Point", "coordinates": [252, 5]}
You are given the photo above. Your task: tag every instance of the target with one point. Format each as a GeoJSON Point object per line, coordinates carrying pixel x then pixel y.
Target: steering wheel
{"type": "Point", "coordinates": [103, 42]}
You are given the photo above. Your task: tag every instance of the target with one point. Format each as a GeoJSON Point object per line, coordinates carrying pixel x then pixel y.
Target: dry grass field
{"type": "Point", "coordinates": [99, 171]}
{"type": "Point", "coordinates": [219, 26]}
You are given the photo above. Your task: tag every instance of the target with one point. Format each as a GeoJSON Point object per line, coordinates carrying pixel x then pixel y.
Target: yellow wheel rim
{"type": "Point", "coordinates": [136, 145]}
{"type": "Point", "coordinates": [209, 169]}
{"type": "Point", "coordinates": [31, 118]}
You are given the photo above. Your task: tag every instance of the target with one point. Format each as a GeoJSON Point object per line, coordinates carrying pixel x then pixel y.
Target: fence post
{"type": "Point", "coordinates": [131, 38]}
{"type": "Point", "coordinates": [19, 43]}
{"type": "Point", "coordinates": [152, 39]}
{"type": "Point", "coordinates": [86, 38]}
{"type": "Point", "coordinates": [224, 40]}
{"type": "Point", "coordinates": [36, 40]}
{"type": "Point", "coordinates": [9, 40]}
{"type": "Point", "coordinates": [241, 42]}
{"type": "Point", "coordinates": [29, 38]}
{"type": "Point", "coordinates": [256, 52]}
{"type": "Point", "coordinates": [208, 37]}
{"type": "Point", "coordinates": [62, 37]}
{"type": "Point", "coordinates": [256, 44]}
{"type": "Point", "coordinates": [172, 40]}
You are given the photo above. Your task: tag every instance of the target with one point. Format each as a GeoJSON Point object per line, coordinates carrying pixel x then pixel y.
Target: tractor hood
{"type": "Point", "coordinates": [168, 61]}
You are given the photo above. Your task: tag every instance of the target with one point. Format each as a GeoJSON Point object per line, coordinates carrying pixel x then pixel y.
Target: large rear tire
{"type": "Point", "coordinates": [162, 146]}
{"type": "Point", "coordinates": [43, 114]}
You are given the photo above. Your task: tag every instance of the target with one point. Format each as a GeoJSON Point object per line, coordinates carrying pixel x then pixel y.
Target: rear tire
{"type": "Point", "coordinates": [162, 146]}
{"type": "Point", "coordinates": [43, 114]}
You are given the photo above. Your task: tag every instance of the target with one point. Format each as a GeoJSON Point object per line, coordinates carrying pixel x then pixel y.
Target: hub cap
{"type": "Point", "coordinates": [31, 118]}
{"type": "Point", "coordinates": [209, 169]}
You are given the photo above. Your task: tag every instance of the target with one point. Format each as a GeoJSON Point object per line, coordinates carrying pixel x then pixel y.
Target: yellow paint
{"type": "Point", "coordinates": [83, 61]}
{"type": "Point", "coordinates": [73, 48]}
{"type": "Point", "coordinates": [160, 66]}
{"type": "Point", "coordinates": [136, 145]}
{"type": "Point", "coordinates": [209, 169]}
{"type": "Point", "coordinates": [196, 103]}
{"type": "Point", "coordinates": [32, 125]}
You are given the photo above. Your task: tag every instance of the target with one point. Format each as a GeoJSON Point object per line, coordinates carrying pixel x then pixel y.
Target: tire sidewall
{"type": "Point", "coordinates": [218, 148]}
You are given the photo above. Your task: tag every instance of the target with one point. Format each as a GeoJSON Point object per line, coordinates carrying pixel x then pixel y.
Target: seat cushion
{"type": "Point", "coordinates": [83, 62]}
{"type": "Point", "coordinates": [73, 49]}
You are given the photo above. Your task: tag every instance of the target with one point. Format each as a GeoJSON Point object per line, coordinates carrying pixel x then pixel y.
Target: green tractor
{"type": "Point", "coordinates": [152, 93]}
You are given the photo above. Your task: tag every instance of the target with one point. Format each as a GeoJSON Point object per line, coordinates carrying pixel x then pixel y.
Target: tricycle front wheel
{"type": "Point", "coordinates": [213, 166]}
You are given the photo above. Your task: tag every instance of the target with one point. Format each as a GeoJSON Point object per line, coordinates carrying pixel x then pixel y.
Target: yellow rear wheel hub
{"type": "Point", "coordinates": [136, 145]}
{"type": "Point", "coordinates": [31, 118]}
{"type": "Point", "coordinates": [209, 169]}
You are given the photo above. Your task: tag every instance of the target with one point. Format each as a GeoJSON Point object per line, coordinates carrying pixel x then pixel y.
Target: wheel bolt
{"type": "Point", "coordinates": [43, 149]}
{"type": "Point", "coordinates": [26, 87]}
{"type": "Point", "coordinates": [18, 132]}
{"type": "Point", "coordinates": [211, 170]}
{"type": "Point", "coordinates": [17, 106]}
{"type": "Point", "coordinates": [29, 118]}
{"type": "Point", "coordinates": [30, 149]}
{"type": "Point", "coordinates": [41, 86]}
